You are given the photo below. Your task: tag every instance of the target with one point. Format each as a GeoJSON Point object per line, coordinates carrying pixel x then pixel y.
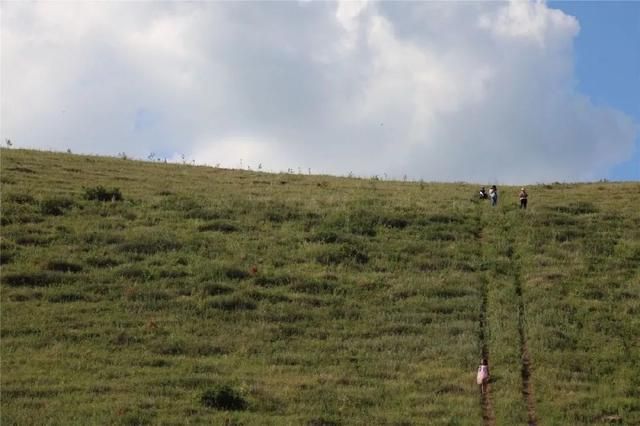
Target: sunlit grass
{"type": "Point", "coordinates": [313, 299]}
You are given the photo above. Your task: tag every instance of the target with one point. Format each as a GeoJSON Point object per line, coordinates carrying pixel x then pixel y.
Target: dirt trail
{"type": "Point", "coordinates": [526, 367]}
{"type": "Point", "coordinates": [527, 387]}
{"type": "Point", "coordinates": [488, 416]}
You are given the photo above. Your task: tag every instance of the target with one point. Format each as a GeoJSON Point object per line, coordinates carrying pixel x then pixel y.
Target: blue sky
{"type": "Point", "coordinates": [607, 60]}
{"type": "Point", "coordinates": [490, 92]}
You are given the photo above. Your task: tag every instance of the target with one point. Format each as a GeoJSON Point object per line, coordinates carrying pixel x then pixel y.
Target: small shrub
{"type": "Point", "coordinates": [20, 198]}
{"type": "Point", "coordinates": [554, 219]}
{"type": "Point", "coordinates": [214, 289]}
{"type": "Point", "coordinates": [137, 418]}
{"type": "Point", "coordinates": [580, 207]}
{"type": "Point", "coordinates": [362, 222]}
{"type": "Point", "coordinates": [150, 296]}
{"type": "Point", "coordinates": [179, 203]}
{"type": "Point", "coordinates": [315, 287]}
{"type": "Point", "coordinates": [322, 422]}
{"type": "Point", "coordinates": [434, 264]}
{"type": "Point", "coordinates": [440, 235]}
{"type": "Point", "coordinates": [236, 274]}
{"type": "Point", "coordinates": [223, 398]}
{"type": "Point", "coordinates": [55, 206]}
{"type": "Point", "coordinates": [156, 363]}
{"type": "Point", "coordinates": [233, 303]}
{"type": "Point", "coordinates": [124, 339]}
{"type": "Point", "coordinates": [395, 222]}
{"type": "Point", "coordinates": [272, 281]}
{"type": "Point", "coordinates": [100, 193]}
{"type": "Point", "coordinates": [327, 236]}
{"type": "Point", "coordinates": [559, 340]}
{"type": "Point", "coordinates": [280, 212]}
{"type": "Point", "coordinates": [63, 266]}
{"type": "Point", "coordinates": [173, 347]}
{"type": "Point", "coordinates": [33, 279]}
{"type": "Point", "coordinates": [568, 234]}
{"type": "Point", "coordinates": [66, 298]}
{"type": "Point", "coordinates": [134, 272]}
{"type": "Point", "coordinates": [449, 293]}
{"type": "Point", "coordinates": [202, 213]}
{"type": "Point", "coordinates": [345, 253]}
{"type": "Point", "coordinates": [6, 256]}
{"type": "Point", "coordinates": [219, 226]}
{"type": "Point", "coordinates": [172, 273]}
{"type": "Point", "coordinates": [450, 389]}
{"type": "Point", "coordinates": [25, 296]}
{"type": "Point", "coordinates": [21, 169]}
{"type": "Point", "coordinates": [441, 218]}
{"type": "Point", "coordinates": [150, 244]}
{"type": "Point", "coordinates": [271, 297]}
{"type": "Point", "coordinates": [102, 262]}
{"type": "Point", "coordinates": [32, 240]}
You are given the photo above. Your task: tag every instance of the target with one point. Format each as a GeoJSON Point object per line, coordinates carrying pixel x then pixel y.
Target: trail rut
{"type": "Point", "coordinates": [527, 387]}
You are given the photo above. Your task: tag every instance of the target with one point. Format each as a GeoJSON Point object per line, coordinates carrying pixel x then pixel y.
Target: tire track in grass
{"type": "Point", "coordinates": [527, 387]}
{"type": "Point", "coordinates": [488, 416]}
{"type": "Point", "coordinates": [525, 369]}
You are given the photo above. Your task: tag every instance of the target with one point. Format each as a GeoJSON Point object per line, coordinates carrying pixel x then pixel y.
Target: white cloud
{"type": "Point", "coordinates": [434, 90]}
{"type": "Point", "coordinates": [530, 21]}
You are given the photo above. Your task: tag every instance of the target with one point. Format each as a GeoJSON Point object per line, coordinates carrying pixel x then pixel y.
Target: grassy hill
{"type": "Point", "coordinates": [212, 296]}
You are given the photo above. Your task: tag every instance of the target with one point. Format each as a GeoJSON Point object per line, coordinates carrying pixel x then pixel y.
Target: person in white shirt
{"type": "Point", "coordinates": [482, 377]}
{"type": "Point", "coordinates": [493, 195]}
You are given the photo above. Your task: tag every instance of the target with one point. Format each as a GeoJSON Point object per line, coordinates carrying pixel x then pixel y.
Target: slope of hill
{"type": "Point", "coordinates": [211, 296]}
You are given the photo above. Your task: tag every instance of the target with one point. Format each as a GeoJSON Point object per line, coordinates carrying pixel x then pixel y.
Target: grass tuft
{"type": "Point", "coordinates": [223, 398]}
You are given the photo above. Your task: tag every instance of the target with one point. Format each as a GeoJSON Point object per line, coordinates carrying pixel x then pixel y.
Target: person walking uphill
{"type": "Point", "coordinates": [493, 195]}
{"type": "Point", "coordinates": [523, 198]}
{"type": "Point", "coordinates": [482, 378]}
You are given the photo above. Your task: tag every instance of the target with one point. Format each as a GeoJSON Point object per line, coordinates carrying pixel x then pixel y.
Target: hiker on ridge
{"type": "Point", "coordinates": [483, 194]}
{"type": "Point", "coordinates": [493, 194]}
{"type": "Point", "coordinates": [523, 198]}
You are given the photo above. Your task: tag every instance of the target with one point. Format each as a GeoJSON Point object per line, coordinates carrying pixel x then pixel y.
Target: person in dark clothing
{"type": "Point", "coordinates": [483, 194]}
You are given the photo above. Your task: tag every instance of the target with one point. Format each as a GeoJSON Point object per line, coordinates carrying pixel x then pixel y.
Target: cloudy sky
{"type": "Point", "coordinates": [517, 92]}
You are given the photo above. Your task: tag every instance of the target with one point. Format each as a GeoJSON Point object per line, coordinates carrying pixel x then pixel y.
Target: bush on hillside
{"type": "Point", "coordinates": [55, 206]}
{"type": "Point", "coordinates": [578, 207]}
{"type": "Point", "coordinates": [33, 279]}
{"type": "Point", "coordinates": [223, 398]}
{"type": "Point", "coordinates": [20, 198]}
{"type": "Point", "coordinates": [220, 226]}
{"type": "Point", "coordinates": [63, 266]}
{"type": "Point", "coordinates": [100, 193]}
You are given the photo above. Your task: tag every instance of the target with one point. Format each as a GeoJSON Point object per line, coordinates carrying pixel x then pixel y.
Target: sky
{"type": "Point", "coordinates": [488, 92]}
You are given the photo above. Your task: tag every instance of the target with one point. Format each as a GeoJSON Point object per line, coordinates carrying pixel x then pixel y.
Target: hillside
{"type": "Point", "coordinates": [311, 300]}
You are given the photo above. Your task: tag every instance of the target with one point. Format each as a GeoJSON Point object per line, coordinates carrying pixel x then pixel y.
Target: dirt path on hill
{"type": "Point", "coordinates": [528, 396]}
{"type": "Point", "coordinates": [488, 416]}
{"type": "Point", "coordinates": [527, 387]}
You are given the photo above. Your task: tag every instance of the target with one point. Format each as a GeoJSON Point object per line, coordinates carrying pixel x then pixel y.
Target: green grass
{"type": "Point", "coordinates": [309, 299]}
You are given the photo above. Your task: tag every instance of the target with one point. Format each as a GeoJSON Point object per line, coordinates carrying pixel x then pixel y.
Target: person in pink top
{"type": "Point", "coordinates": [483, 375]}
